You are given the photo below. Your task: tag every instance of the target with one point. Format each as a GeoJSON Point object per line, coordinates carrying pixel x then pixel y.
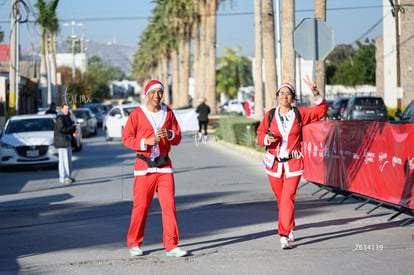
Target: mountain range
{"type": "Point", "coordinates": [111, 53]}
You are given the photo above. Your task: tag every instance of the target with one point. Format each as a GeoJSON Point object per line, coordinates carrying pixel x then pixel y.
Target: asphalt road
{"type": "Point", "coordinates": [227, 218]}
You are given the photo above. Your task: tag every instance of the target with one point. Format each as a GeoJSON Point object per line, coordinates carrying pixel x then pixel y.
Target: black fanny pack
{"type": "Point", "coordinates": [157, 162]}
{"type": "Point", "coordinates": [284, 159]}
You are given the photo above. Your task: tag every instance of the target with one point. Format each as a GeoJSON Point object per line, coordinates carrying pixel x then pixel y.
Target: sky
{"type": "Point", "coordinates": [123, 21]}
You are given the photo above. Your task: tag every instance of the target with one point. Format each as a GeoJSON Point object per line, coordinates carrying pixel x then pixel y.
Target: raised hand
{"type": "Point", "coordinates": [311, 84]}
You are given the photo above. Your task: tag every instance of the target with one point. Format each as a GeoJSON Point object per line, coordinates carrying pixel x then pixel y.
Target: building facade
{"type": "Point", "coordinates": [386, 56]}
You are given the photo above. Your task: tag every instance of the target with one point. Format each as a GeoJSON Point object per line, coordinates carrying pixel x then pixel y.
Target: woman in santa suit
{"type": "Point", "coordinates": [151, 129]}
{"type": "Point", "coordinates": [283, 160]}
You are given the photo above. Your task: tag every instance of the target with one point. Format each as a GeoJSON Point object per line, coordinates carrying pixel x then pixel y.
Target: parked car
{"type": "Point", "coordinates": [330, 112]}
{"type": "Point", "coordinates": [98, 110]}
{"type": "Point", "coordinates": [115, 120]}
{"type": "Point", "coordinates": [28, 140]}
{"type": "Point", "coordinates": [407, 116]}
{"type": "Point", "coordinates": [302, 103]}
{"type": "Point", "coordinates": [87, 121]}
{"type": "Point", "coordinates": [370, 108]}
{"type": "Point", "coordinates": [236, 106]}
{"type": "Point", "coordinates": [338, 108]}
{"type": "Point", "coordinates": [77, 141]}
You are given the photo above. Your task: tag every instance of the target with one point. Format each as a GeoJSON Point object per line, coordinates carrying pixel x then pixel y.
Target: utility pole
{"type": "Point", "coordinates": [14, 60]}
{"type": "Point", "coordinates": [73, 37]}
{"type": "Point", "coordinates": [397, 49]}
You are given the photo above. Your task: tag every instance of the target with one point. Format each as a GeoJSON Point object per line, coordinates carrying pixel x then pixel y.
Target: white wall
{"type": "Point", "coordinates": [66, 59]}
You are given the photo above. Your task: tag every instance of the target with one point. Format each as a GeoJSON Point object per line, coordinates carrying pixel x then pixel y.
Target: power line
{"type": "Point", "coordinates": [127, 18]}
{"type": "Point", "coordinates": [371, 28]}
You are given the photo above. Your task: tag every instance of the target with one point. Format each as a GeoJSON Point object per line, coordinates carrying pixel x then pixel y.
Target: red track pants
{"type": "Point", "coordinates": [285, 192]}
{"type": "Point", "coordinates": [143, 192]}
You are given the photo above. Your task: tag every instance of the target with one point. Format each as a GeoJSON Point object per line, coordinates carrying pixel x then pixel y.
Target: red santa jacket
{"type": "Point", "coordinates": [140, 126]}
{"type": "Point", "coordinates": [290, 137]}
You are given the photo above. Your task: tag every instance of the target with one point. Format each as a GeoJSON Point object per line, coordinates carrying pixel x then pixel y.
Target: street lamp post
{"type": "Point", "coordinates": [73, 37]}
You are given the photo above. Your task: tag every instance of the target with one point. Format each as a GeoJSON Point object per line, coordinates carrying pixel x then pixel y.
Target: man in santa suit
{"type": "Point", "coordinates": [249, 107]}
{"type": "Point", "coordinates": [151, 129]}
{"type": "Point", "coordinates": [283, 160]}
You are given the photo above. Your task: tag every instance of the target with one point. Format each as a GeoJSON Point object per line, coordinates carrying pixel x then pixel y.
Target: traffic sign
{"type": "Point", "coordinates": [313, 39]}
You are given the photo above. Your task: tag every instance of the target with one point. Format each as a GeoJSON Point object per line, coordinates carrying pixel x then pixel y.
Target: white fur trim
{"type": "Point", "coordinates": [155, 86]}
{"type": "Point", "coordinates": [153, 170]}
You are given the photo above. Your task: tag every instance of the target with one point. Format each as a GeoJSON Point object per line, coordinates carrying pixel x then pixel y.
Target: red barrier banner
{"type": "Point", "coordinates": [374, 159]}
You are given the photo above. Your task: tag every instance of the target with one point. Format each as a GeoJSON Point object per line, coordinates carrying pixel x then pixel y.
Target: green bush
{"type": "Point", "coordinates": [238, 130]}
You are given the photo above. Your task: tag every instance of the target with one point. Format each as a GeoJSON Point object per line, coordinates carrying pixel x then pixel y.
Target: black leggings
{"type": "Point", "coordinates": [204, 125]}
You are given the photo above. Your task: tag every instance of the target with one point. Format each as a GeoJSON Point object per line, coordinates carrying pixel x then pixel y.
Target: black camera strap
{"type": "Point", "coordinates": [297, 114]}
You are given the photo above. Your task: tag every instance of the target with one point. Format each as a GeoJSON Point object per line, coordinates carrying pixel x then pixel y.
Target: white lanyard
{"type": "Point", "coordinates": [156, 120]}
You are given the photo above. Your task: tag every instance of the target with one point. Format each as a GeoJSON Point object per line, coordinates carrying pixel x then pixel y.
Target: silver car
{"type": "Point", "coordinates": [28, 139]}
{"type": "Point", "coordinates": [87, 120]}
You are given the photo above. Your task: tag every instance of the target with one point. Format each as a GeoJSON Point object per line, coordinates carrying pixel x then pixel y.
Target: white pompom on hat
{"type": "Point", "coordinates": [153, 84]}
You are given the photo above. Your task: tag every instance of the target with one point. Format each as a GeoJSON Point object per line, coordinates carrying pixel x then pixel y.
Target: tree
{"type": "Point", "coordinates": [175, 24]}
{"type": "Point", "coordinates": [233, 72]}
{"type": "Point", "coordinates": [269, 53]}
{"type": "Point", "coordinates": [182, 14]}
{"type": "Point", "coordinates": [320, 77]}
{"type": "Point", "coordinates": [94, 85]}
{"type": "Point", "coordinates": [76, 87]}
{"type": "Point", "coordinates": [99, 76]}
{"type": "Point", "coordinates": [358, 69]}
{"type": "Point", "coordinates": [339, 54]}
{"type": "Point", "coordinates": [49, 25]}
{"type": "Point", "coordinates": [210, 52]}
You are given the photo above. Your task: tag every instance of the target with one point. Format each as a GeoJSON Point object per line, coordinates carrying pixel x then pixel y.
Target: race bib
{"type": "Point", "coordinates": [268, 160]}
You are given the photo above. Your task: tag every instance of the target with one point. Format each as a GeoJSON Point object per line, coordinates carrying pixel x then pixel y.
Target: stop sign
{"type": "Point", "coordinates": [313, 39]}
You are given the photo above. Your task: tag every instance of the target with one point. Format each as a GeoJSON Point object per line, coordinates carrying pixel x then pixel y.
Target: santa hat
{"type": "Point", "coordinates": [153, 84]}
{"type": "Point", "coordinates": [289, 86]}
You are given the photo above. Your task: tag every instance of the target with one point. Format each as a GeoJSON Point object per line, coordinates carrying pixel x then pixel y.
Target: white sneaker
{"type": "Point", "coordinates": [291, 236]}
{"type": "Point", "coordinates": [177, 252]}
{"type": "Point", "coordinates": [135, 251]}
{"type": "Point", "coordinates": [284, 243]}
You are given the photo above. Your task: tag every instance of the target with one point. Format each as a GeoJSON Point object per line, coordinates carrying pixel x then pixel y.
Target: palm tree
{"type": "Point", "coordinates": [48, 27]}
{"type": "Point", "coordinates": [162, 43]}
{"type": "Point", "coordinates": [200, 78]}
{"type": "Point", "coordinates": [234, 71]}
{"type": "Point", "coordinates": [258, 82]}
{"type": "Point", "coordinates": [210, 51]}
{"type": "Point", "coordinates": [53, 28]}
{"type": "Point", "coordinates": [179, 26]}
{"type": "Point", "coordinates": [320, 12]}
{"type": "Point", "coordinates": [288, 53]}
{"type": "Point", "coordinates": [151, 59]}
{"type": "Point", "coordinates": [269, 53]}
{"type": "Point", "coordinates": [185, 15]}
{"type": "Point", "coordinates": [197, 64]}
